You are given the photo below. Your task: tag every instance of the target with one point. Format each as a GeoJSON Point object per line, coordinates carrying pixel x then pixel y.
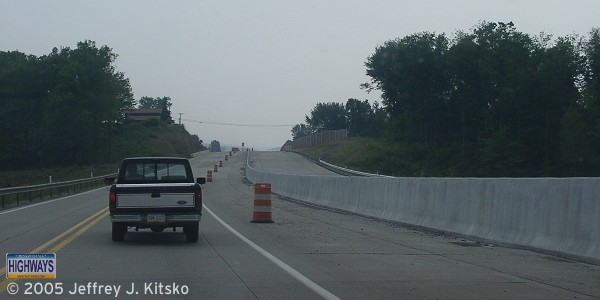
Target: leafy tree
{"type": "Point", "coordinates": [68, 107]}
{"type": "Point", "coordinates": [556, 82]}
{"type": "Point", "coordinates": [23, 88]}
{"type": "Point", "coordinates": [215, 146]}
{"type": "Point", "coordinates": [88, 95]}
{"type": "Point", "coordinates": [364, 119]}
{"type": "Point", "coordinates": [327, 116]}
{"type": "Point", "coordinates": [61, 107]}
{"type": "Point", "coordinates": [358, 115]}
{"type": "Point", "coordinates": [300, 130]}
{"type": "Point", "coordinates": [580, 134]}
{"type": "Point", "coordinates": [491, 102]}
{"type": "Point", "coordinates": [466, 110]}
{"type": "Point", "coordinates": [410, 72]}
{"type": "Point", "coordinates": [163, 103]}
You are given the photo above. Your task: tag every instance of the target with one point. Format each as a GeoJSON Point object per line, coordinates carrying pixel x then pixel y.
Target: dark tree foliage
{"type": "Point", "coordinates": [359, 117]}
{"type": "Point", "coordinates": [410, 74]}
{"type": "Point", "coordinates": [492, 102]}
{"type": "Point", "coordinates": [363, 119]}
{"type": "Point", "coordinates": [327, 116]}
{"type": "Point", "coordinates": [163, 103]}
{"type": "Point", "coordinates": [60, 108]}
{"type": "Point", "coordinates": [580, 134]}
{"type": "Point", "coordinates": [300, 130]}
{"type": "Point", "coordinates": [215, 146]}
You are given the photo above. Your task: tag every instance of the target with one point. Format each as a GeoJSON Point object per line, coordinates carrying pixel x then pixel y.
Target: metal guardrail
{"type": "Point", "coordinates": [14, 196]}
{"type": "Point", "coordinates": [348, 172]}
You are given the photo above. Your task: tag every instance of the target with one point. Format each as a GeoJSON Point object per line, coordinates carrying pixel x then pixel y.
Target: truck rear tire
{"type": "Point", "coordinates": [118, 232]}
{"type": "Point", "coordinates": [191, 232]}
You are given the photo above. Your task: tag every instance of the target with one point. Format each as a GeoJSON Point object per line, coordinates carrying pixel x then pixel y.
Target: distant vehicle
{"type": "Point", "coordinates": [235, 149]}
{"type": "Point", "coordinates": [155, 193]}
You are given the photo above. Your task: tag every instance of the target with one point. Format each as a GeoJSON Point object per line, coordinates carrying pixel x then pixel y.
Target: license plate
{"type": "Point", "coordinates": [156, 218]}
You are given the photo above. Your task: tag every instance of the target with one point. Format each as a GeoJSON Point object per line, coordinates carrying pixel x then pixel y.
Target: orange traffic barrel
{"type": "Point", "coordinates": [209, 176]}
{"type": "Point", "coordinates": [220, 163]}
{"type": "Point", "coordinates": [226, 157]}
{"type": "Point", "coordinates": [262, 203]}
{"type": "Point", "coordinates": [216, 168]}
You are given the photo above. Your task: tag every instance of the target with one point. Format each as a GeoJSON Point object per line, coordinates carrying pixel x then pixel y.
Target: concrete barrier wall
{"type": "Point", "coordinates": [554, 215]}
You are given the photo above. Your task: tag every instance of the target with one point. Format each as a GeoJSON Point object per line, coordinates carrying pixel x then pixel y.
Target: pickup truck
{"type": "Point", "coordinates": [155, 193]}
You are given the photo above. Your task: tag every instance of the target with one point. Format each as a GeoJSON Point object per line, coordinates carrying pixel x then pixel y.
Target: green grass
{"type": "Point", "coordinates": [380, 156]}
{"type": "Point", "coordinates": [145, 139]}
{"type": "Point", "coordinates": [41, 176]}
{"type": "Point", "coordinates": [358, 153]}
{"type": "Point", "coordinates": [154, 139]}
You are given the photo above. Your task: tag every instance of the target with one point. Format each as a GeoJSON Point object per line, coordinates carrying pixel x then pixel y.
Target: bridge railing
{"type": "Point", "coordinates": [15, 196]}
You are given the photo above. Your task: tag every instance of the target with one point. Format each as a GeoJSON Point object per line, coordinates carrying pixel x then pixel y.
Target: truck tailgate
{"type": "Point", "coordinates": [155, 196]}
{"type": "Point", "coordinates": [156, 200]}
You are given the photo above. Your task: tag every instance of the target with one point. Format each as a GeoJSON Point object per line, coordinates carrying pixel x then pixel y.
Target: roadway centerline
{"type": "Point", "coordinates": [285, 267]}
{"type": "Point", "coordinates": [67, 237]}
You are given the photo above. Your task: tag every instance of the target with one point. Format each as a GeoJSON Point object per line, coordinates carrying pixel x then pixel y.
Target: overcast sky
{"type": "Point", "coordinates": [264, 62]}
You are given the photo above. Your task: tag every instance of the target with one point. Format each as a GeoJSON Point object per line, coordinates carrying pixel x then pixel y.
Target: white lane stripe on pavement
{"type": "Point", "coordinates": [291, 271]}
{"type": "Point", "coordinates": [50, 201]}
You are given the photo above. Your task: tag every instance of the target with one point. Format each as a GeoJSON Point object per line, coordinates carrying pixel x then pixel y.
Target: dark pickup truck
{"type": "Point", "coordinates": [155, 193]}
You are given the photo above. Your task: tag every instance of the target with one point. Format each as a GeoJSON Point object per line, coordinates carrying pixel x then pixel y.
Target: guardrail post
{"type": "Point", "coordinates": [2, 201]}
{"type": "Point", "coordinates": [29, 196]}
{"type": "Point", "coordinates": [17, 199]}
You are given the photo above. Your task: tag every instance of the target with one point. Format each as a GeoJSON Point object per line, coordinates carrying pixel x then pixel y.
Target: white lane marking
{"type": "Point", "coordinates": [303, 279]}
{"type": "Point", "coordinates": [49, 201]}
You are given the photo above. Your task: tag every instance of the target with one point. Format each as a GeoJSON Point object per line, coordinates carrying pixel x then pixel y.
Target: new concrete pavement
{"type": "Point", "coordinates": [307, 253]}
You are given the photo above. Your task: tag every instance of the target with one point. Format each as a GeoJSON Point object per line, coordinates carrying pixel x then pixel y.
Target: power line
{"type": "Point", "coordinates": [237, 124]}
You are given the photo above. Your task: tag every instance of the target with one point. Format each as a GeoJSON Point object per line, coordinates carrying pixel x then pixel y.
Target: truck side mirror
{"type": "Point", "coordinates": [201, 180]}
{"type": "Point", "coordinates": [109, 180]}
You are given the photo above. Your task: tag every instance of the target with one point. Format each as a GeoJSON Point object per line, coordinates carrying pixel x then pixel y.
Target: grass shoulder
{"type": "Point", "coordinates": [358, 153]}
{"type": "Point", "coordinates": [382, 156]}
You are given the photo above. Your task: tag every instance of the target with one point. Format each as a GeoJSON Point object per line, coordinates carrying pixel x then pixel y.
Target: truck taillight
{"type": "Point", "coordinates": [198, 198]}
{"type": "Point", "coordinates": [112, 200]}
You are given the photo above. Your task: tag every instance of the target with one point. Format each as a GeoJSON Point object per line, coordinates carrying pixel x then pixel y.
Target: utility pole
{"type": "Point", "coordinates": [180, 118]}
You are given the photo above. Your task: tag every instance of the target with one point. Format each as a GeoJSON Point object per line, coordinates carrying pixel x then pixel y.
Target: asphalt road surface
{"type": "Point", "coordinates": [307, 253]}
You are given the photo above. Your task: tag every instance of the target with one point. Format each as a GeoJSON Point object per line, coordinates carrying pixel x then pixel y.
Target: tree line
{"type": "Point", "coordinates": [493, 101]}
{"type": "Point", "coordinates": [359, 117]}
{"type": "Point", "coordinates": [63, 108]}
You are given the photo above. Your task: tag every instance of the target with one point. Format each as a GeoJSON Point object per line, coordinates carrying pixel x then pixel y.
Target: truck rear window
{"type": "Point", "coordinates": [155, 172]}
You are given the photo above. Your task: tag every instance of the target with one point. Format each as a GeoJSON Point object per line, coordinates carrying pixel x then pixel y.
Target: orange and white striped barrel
{"type": "Point", "coordinates": [262, 203]}
{"type": "Point", "coordinates": [216, 168]}
{"type": "Point", "coordinates": [220, 164]}
{"type": "Point", "coordinates": [209, 176]}
{"type": "Point", "coordinates": [226, 157]}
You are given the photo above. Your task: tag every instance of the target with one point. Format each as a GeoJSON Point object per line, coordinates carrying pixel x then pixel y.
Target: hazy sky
{"type": "Point", "coordinates": [261, 62]}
